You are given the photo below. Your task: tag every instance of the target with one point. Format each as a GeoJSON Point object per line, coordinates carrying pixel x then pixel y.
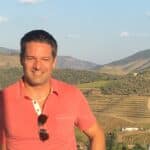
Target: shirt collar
{"type": "Point", "coordinates": [54, 88]}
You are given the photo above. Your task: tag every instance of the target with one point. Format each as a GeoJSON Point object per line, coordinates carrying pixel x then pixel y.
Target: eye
{"type": "Point", "coordinates": [45, 59]}
{"type": "Point", "coordinates": [29, 58]}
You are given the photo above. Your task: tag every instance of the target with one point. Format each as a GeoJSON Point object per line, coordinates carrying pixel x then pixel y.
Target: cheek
{"type": "Point", "coordinates": [27, 66]}
{"type": "Point", "coordinates": [48, 66]}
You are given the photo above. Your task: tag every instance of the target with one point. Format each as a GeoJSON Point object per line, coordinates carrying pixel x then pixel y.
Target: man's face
{"type": "Point", "coordinates": [37, 63]}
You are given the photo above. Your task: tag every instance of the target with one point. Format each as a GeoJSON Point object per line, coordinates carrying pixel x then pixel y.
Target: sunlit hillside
{"type": "Point", "coordinates": [133, 63]}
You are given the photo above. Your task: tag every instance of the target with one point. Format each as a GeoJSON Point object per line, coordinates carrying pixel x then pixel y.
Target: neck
{"type": "Point", "coordinates": [38, 92]}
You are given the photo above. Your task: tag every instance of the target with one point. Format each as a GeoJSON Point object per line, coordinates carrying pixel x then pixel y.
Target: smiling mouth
{"type": "Point", "coordinates": [37, 73]}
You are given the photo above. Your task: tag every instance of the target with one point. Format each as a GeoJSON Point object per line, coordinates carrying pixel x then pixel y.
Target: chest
{"type": "Point", "coordinates": [21, 118]}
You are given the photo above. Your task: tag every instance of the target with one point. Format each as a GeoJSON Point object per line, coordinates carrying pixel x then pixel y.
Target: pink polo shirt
{"type": "Point", "coordinates": [65, 107]}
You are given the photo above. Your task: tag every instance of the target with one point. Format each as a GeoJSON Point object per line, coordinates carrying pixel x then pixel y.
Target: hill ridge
{"type": "Point", "coordinates": [63, 62]}
{"type": "Point", "coordinates": [133, 63]}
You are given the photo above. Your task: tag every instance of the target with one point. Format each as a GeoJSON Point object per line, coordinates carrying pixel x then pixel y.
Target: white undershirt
{"type": "Point", "coordinates": [36, 107]}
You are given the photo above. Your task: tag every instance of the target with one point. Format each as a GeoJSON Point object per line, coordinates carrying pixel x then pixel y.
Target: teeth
{"type": "Point", "coordinates": [37, 73]}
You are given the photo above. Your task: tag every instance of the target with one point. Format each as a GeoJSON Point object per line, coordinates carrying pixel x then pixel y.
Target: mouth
{"type": "Point", "coordinates": [37, 73]}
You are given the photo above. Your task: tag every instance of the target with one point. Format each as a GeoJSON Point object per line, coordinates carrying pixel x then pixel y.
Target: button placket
{"type": "Point", "coordinates": [36, 107]}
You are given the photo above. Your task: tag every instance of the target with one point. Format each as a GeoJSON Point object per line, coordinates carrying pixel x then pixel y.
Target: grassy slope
{"type": "Point", "coordinates": [96, 84]}
{"type": "Point", "coordinates": [117, 111]}
{"type": "Point", "coordinates": [9, 61]}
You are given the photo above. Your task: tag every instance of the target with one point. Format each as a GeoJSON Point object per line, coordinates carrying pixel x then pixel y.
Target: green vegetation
{"type": "Point", "coordinates": [80, 76]}
{"type": "Point", "coordinates": [130, 84]}
{"type": "Point", "coordinates": [112, 144]}
{"type": "Point", "coordinates": [142, 138]}
{"type": "Point", "coordinates": [74, 76]}
{"type": "Point", "coordinates": [96, 84]}
{"type": "Point", "coordinates": [81, 138]}
{"type": "Point", "coordinates": [9, 76]}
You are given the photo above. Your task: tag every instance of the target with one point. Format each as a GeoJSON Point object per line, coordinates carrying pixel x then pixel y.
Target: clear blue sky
{"type": "Point", "coordinates": [100, 31]}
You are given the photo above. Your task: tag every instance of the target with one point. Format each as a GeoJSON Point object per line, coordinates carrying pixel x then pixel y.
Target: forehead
{"type": "Point", "coordinates": [38, 48]}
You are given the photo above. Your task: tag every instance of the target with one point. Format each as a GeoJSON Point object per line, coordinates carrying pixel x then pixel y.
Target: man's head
{"type": "Point", "coordinates": [38, 36]}
{"type": "Point", "coordinates": [38, 56]}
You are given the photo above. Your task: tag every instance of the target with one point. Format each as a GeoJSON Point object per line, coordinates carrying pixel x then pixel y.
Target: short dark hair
{"type": "Point", "coordinates": [38, 36]}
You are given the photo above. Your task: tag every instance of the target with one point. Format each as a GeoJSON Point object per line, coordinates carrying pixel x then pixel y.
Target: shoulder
{"type": "Point", "coordinates": [11, 88]}
{"type": "Point", "coordinates": [66, 89]}
{"type": "Point", "coordinates": [11, 92]}
{"type": "Point", "coordinates": [63, 86]}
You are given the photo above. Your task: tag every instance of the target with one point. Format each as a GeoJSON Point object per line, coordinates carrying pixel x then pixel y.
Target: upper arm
{"type": "Point", "coordinates": [95, 130]}
{"type": "Point", "coordinates": [86, 121]}
{"type": "Point", "coordinates": [96, 136]}
{"type": "Point", "coordinates": [85, 117]}
{"type": "Point", "coordinates": [2, 147]}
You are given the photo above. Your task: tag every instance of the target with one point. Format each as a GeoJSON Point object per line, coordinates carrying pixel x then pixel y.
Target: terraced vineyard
{"type": "Point", "coordinates": [131, 108]}
{"type": "Point", "coordinates": [120, 111]}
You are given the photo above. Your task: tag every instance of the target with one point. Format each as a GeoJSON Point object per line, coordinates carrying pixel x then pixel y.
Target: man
{"type": "Point", "coordinates": [39, 112]}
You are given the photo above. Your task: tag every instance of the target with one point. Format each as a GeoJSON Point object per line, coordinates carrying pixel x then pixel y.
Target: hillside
{"type": "Point", "coordinates": [10, 58]}
{"type": "Point", "coordinates": [132, 109]}
{"type": "Point", "coordinates": [68, 62]}
{"type": "Point", "coordinates": [133, 63]}
{"type": "Point", "coordinates": [9, 75]}
{"type": "Point", "coordinates": [8, 51]}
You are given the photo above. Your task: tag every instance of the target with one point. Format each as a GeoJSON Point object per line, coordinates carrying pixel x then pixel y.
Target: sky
{"type": "Point", "coordinates": [99, 31]}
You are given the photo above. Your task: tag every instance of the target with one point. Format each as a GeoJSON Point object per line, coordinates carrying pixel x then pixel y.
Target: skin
{"type": "Point", "coordinates": [96, 136]}
{"type": "Point", "coordinates": [38, 64]}
{"type": "Point", "coordinates": [3, 147]}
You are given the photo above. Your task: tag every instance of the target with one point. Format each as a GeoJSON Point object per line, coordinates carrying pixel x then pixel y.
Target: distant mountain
{"type": "Point", "coordinates": [66, 62]}
{"type": "Point", "coordinates": [136, 62]}
{"type": "Point", "coordinates": [10, 57]}
{"type": "Point", "coordinates": [7, 51]}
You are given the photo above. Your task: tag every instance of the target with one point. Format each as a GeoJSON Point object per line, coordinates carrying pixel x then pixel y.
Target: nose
{"type": "Point", "coordinates": [37, 65]}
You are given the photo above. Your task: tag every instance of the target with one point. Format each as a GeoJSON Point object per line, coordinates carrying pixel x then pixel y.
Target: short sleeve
{"type": "Point", "coordinates": [85, 116]}
{"type": "Point", "coordinates": [2, 134]}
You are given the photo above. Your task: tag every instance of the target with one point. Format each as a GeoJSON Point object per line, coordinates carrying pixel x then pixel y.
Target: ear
{"type": "Point", "coordinates": [54, 63]}
{"type": "Point", "coordinates": [21, 60]}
